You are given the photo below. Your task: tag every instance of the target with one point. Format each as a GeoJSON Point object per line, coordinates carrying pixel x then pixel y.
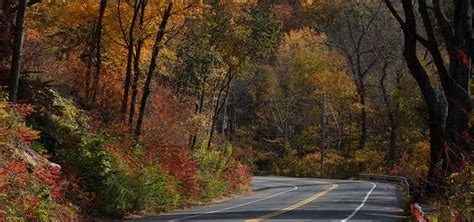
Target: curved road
{"type": "Point", "coordinates": [297, 199]}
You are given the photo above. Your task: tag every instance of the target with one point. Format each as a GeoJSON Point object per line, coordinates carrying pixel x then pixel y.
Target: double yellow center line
{"type": "Point", "coordinates": [297, 205]}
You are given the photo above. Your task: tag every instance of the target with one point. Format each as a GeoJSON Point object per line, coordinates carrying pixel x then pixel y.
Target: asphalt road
{"type": "Point", "coordinates": [296, 199]}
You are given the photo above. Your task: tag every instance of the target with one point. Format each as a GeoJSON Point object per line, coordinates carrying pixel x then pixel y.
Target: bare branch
{"type": "Point", "coordinates": [394, 12]}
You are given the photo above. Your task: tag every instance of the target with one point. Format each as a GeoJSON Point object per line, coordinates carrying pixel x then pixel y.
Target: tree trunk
{"type": "Point", "coordinates": [200, 105]}
{"type": "Point", "coordinates": [156, 50]}
{"type": "Point", "coordinates": [90, 61]}
{"type": "Point", "coordinates": [392, 156]}
{"type": "Point", "coordinates": [136, 65]}
{"type": "Point", "coordinates": [131, 43]}
{"type": "Point", "coordinates": [457, 128]}
{"type": "Point", "coordinates": [98, 62]}
{"type": "Point", "coordinates": [363, 117]}
{"type": "Point", "coordinates": [437, 138]}
{"type": "Point", "coordinates": [218, 107]}
{"type": "Point", "coordinates": [16, 53]}
{"type": "Point", "coordinates": [6, 22]}
{"type": "Point", "coordinates": [459, 101]}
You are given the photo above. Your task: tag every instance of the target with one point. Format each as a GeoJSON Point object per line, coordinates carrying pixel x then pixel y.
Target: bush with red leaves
{"type": "Point", "coordinates": [238, 177]}
{"type": "Point", "coordinates": [178, 162]}
{"type": "Point", "coordinates": [27, 192]}
{"type": "Point", "coordinates": [31, 193]}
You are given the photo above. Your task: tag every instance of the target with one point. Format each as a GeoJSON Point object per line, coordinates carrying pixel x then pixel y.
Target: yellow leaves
{"type": "Point", "coordinates": [82, 7]}
{"type": "Point", "coordinates": [420, 157]}
{"type": "Point", "coordinates": [311, 65]}
{"type": "Point", "coordinates": [371, 160]}
{"type": "Point", "coordinates": [336, 84]}
{"type": "Point", "coordinates": [358, 106]}
{"type": "Point", "coordinates": [302, 38]}
{"type": "Point", "coordinates": [3, 110]}
{"type": "Point", "coordinates": [330, 157]}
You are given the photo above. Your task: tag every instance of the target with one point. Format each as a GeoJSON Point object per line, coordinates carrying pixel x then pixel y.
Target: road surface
{"type": "Point", "coordinates": [296, 199]}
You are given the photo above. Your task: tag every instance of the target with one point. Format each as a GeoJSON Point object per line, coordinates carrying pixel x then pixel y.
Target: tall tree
{"type": "Point", "coordinates": [6, 17]}
{"type": "Point", "coordinates": [16, 52]}
{"type": "Point", "coordinates": [136, 64]}
{"type": "Point", "coordinates": [153, 64]}
{"type": "Point", "coordinates": [98, 62]}
{"type": "Point", "coordinates": [90, 53]}
{"type": "Point", "coordinates": [222, 94]}
{"type": "Point", "coordinates": [448, 140]}
{"type": "Point", "coordinates": [385, 43]}
{"type": "Point", "coordinates": [130, 45]}
{"type": "Point", "coordinates": [354, 41]}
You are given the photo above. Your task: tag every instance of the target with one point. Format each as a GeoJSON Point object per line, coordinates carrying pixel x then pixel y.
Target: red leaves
{"type": "Point", "coordinates": [416, 211]}
{"type": "Point", "coordinates": [168, 121]}
{"type": "Point", "coordinates": [25, 188]}
{"type": "Point", "coordinates": [238, 176]}
{"type": "Point", "coordinates": [179, 163]}
{"type": "Point", "coordinates": [4, 132]}
{"type": "Point", "coordinates": [463, 58]}
{"type": "Point", "coordinates": [52, 179]}
{"type": "Point", "coordinates": [118, 130]}
{"type": "Point", "coordinates": [30, 191]}
{"type": "Point", "coordinates": [24, 109]}
{"type": "Point", "coordinates": [16, 130]}
{"type": "Point", "coordinates": [166, 136]}
{"type": "Point", "coordinates": [467, 138]}
{"type": "Point", "coordinates": [26, 135]}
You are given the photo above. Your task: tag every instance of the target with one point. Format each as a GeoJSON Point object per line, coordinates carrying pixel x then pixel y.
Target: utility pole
{"type": "Point", "coordinates": [324, 123]}
{"type": "Point", "coordinates": [225, 123]}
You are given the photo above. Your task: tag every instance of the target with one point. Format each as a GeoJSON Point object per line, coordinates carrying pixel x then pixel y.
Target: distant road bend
{"type": "Point", "coordinates": [296, 199]}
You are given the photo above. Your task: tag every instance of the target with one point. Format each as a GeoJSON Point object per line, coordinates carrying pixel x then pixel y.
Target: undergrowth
{"type": "Point", "coordinates": [104, 170]}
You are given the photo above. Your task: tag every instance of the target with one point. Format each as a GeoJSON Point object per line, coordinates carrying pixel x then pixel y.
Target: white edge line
{"type": "Point", "coordinates": [243, 204]}
{"type": "Point", "coordinates": [361, 205]}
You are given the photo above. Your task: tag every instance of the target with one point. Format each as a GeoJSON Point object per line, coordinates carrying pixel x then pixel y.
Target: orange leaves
{"type": "Point", "coordinates": [26, 135]}
{"type": "Point", "coordinates": [24, 109]}
{"type": "Point", "coordinates": [12, 127]}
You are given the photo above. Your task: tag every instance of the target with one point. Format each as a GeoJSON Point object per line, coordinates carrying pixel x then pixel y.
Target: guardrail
{"type": "Point", "coordinates": [412, 190]}
{"type": "Point", "coordinates": [415, 209]}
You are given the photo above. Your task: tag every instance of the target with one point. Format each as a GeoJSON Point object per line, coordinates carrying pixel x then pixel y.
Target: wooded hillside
{"type": "Point", "coordinates": [118, 107]}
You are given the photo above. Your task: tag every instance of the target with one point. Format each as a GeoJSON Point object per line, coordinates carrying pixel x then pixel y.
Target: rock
{"type": "Point", "coordinates": [35, 159]}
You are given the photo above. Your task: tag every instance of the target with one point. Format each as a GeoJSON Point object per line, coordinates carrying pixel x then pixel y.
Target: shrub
{"type": "Point", "coordinates": [219, 174]}
{"type": "Point", "coordinates": [27, 191]}
{"type": "Point", "coordinates": [73, 144]}
{"type": "Point", "coordinates": [92, 162]}
{"type": "Point", "coordinates": [178, 162]}
{"type": "Point", "coordinates": [31, 193]}
{"type": "Point", "coordinates": [121, 195]}
{"type": "Point", "coordinates": [159, 190]}
{"type": "Point", "coordinates": [335, 166]}
{"type": "Point", "coordinates": [212, 162]}
{"type": "Point", "coordinates": [212, 187]}
{"type": "Point", "coordinates": [461, 192]}
{"type": "Point", "coordinates": [237, 177]}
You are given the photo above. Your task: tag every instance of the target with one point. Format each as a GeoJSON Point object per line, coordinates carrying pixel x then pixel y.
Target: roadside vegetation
{"type": "Point", "coordinates": [115, 108]}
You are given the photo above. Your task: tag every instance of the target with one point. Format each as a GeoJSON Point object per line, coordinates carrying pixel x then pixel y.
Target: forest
{"type": "Point", "coordinates": [115, 108]}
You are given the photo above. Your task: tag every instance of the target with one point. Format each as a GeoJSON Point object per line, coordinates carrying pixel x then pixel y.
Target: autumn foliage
{"type": "Point", "coordinates": [218, 90]}
{"type": "Point", "coordinates": [32, 192]}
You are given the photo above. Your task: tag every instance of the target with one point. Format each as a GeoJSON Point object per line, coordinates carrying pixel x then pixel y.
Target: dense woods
{"type": "Point", "coordinates": [117, 107]}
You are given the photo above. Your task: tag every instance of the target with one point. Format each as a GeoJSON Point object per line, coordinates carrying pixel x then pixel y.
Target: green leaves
{"type": "Point", "coordinates": [265, 29]}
